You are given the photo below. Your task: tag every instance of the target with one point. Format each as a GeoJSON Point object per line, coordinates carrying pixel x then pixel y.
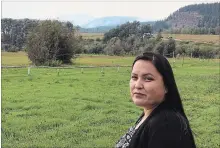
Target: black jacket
{"type": "Point", "coordinates": [164, 128]}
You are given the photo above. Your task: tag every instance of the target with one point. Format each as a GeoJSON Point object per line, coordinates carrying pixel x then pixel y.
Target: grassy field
{"type": "Point", "coordinates": [88, 108]}
{"type": "Point", "coordinates": [210, 39]}
{"type": "Point", "coordinates": [92, 35]}
{"type": "Point", "coordinates": [183, 37]}
{"type": "Point", "coordinates": [15, 59]}
{"type": "Point", "coordinates": [21, 59]}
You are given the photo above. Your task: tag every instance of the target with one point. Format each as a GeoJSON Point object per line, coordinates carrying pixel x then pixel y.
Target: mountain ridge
{"type": "Point", "coordinates": [109, 21]}
{"type": "Point", "coordinates": [195, 16]}
{"type": "Point", "coordinates": [191, 19]}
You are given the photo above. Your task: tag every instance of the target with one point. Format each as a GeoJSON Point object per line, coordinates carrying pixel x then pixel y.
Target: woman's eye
{"type": "Point", "coordinates": [133, 77]}
{"type": "Point", "coordinates": [148, 79]}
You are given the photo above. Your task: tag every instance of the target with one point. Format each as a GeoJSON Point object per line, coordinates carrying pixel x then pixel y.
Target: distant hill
{"type": "Point", "coordinates": [109, 21]}
{"type": "Point", "coordinates": [193, 19]}
{"type": "Point", "coordinates": [103, 29]}
{"type": "Point", "coordinates": [198, 15]}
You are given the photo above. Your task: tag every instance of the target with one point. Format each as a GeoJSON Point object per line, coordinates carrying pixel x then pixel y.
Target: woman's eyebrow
{"type": "Point", "coordinates": [145, 74]}
{"type": "Point", "coordinates": [148, 74]}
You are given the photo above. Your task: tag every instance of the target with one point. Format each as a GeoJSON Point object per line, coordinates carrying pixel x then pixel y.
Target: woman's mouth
{"type": "Point", "coordinates": [139, 94]}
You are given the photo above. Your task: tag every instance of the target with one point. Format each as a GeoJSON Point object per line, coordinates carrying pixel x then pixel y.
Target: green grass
{"type": "Point", "coordinates": [90, 108]}
{"type": "Point", "coordinates": [21, 59]}
{"type": "Point", "coordinates": [94, 60]}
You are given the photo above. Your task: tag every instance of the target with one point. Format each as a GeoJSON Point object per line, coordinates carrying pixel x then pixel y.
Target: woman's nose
{"type": "Point", "coordinates": [139, 84]}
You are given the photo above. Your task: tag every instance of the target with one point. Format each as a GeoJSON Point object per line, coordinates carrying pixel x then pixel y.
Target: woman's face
{"type": "Point", "coordinates": [146, 85]}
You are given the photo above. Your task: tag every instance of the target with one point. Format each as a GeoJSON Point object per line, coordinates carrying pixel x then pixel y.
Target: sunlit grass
{"type": "Point", "coordinates": [210, 39]}
{"type": "Point", "coordinates": [15, 59]}
{"type": "Point", "coordinates": [92, 35]}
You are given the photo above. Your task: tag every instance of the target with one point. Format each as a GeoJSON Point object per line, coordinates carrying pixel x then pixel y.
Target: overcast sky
{"type": "Point", "coordinates": [146, 9]}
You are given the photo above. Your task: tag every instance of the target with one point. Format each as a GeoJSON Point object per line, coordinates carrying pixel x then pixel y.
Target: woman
{"type": "Point", "coordinates": [163, 123]}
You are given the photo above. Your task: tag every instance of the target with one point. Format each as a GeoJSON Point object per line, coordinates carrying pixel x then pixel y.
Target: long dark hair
{"type": "Point", "coordinates": [172, 98]}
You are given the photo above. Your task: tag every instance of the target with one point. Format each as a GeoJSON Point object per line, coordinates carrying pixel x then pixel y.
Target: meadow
{"type": "Point", "coordinates": [14, 59]}
{"type": "Point", "coordinates": [202, 38]}
{"type": "Point", "coordinates": [92, 35]}
{"type": "Point", "coordinates": [21, 59]}
{"type": "Point", "coordinates": [91, 107]}
{"type": "Point", "coordinates": [210, 39]}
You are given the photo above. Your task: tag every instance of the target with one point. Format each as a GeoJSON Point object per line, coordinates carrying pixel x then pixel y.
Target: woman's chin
{"type": "Point", "coordinates": [140, 102]}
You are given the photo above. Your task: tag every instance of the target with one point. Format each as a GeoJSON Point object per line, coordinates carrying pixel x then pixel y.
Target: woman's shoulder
{"type": "Point", "coordinates": [166, 114]}
{"type": "Point", "coordinates": [164, 128]}
{"type": "Point", "coordinates": [167, 118]}
{"type": "Point", "coordinates": [167, 129]}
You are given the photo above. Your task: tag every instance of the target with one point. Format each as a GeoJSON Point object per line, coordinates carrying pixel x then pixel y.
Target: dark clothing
{"type": "Point", "coordinates": [164, 128]}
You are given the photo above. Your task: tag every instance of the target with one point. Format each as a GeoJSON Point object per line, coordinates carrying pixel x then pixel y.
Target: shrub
{"type": "Point", "coordinates": [207, 52]}
{"type": "Point", "coordinates": [159, 48]}
{"type": "Point", "coordinates": [98, 39]}
{"type": "Point", "coordinates": [53, 63]}
{"type": "Point", "coordinates": [97, 48]}
{"type": "Point", "coordinates": [114, 47]}
{"type": "Point", "coordinates": [51, 41]}
{"type": "Point", "coordinates": [170, 47]}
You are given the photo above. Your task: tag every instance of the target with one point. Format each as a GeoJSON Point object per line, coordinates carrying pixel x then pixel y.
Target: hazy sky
{"type": "Point", "coordinates": [147, 9]}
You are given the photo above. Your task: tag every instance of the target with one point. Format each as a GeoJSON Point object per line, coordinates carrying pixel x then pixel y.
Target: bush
{"type": "Point", "coordinates": [114, 47]}
{"type": "Point", "coordinates": [97, 48]}
{"type": "Point", "coordinates": [215, 53]}
{"type": "Point", "coordinates": [132, 44]}
{"type": "Point", "coordinates": [98, 39]}
{"type": "Point", "coordinates": [147, 47]}
{"type": "Point", "coordinates": [195, 52]}
{"type": "Point", "coordinates": [159, 48]}
{"type": "Point", "coordinates": [51, 41]}
{"type": "Point", "coordinates": [170, 47]}
{"type": "Point", "coordinates": [53, 63]}
{"type": "Point", "coordinates": [207, 52]}
{"type": "Point", "coordinates": [181, 49]}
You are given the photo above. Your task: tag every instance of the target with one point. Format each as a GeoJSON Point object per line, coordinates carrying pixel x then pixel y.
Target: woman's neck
{"type": "Point", "coordinates": [148, 110]}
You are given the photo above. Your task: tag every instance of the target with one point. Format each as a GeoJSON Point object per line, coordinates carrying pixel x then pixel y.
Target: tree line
{"type": "Point", "coordinates": [14, 33]}
{"type": "Point", "coordinates": [52, 42]}
{"type": "Point", "coordinates": [135, 38]}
